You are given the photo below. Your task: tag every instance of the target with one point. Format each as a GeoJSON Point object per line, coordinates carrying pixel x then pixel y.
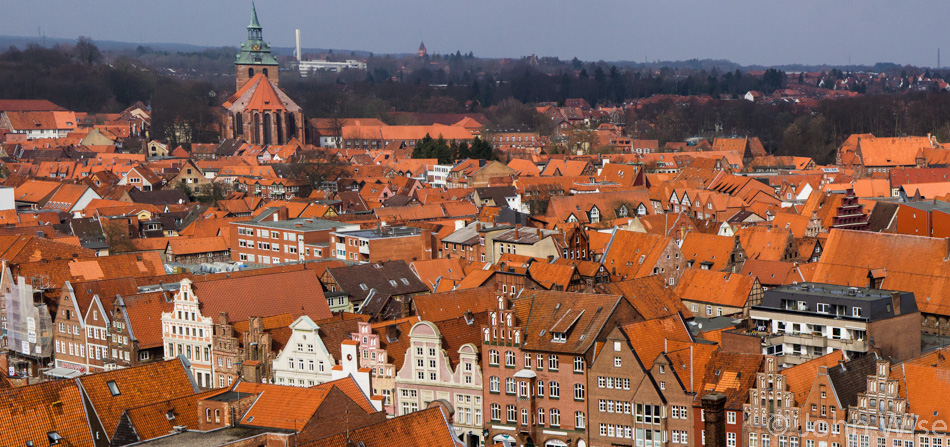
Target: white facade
{"type": "Point", "coordinates": [7, 201]}
{"type": "Point", "coordinates": [427, 375]}
{"type": "Point", "coordinates": [306, 67]}
{"type": "Point", "coordinates": [438, 174]}
{"type": "Point", "coordinates": [305, 360]}
{"type": "Point", "coordinates": [186, 332]}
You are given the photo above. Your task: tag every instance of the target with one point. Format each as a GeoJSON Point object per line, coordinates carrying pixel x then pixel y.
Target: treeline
{"type": "Point", "coordinates": [76, 77]}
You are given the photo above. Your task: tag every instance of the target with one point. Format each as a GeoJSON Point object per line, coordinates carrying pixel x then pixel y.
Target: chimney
{"type": "Point", "coordinates": [298, 54]}
{"type": "Point", "coordinates": [896, 302]}
{"type": "Point", "coordinates": [222, 318]}
{"type": "Point", "coordinates": [714, 412]}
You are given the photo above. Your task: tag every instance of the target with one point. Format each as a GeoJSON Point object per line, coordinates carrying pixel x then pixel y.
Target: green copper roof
{"type": "Point", "coordinates": [254, 51]}
{"type": "Point", "coordinates": [254, 23]}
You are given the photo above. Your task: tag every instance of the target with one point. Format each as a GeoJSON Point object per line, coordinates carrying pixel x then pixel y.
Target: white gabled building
{"type": "Point", "coordinates": [305, 360]}
{"type": "Point", "coordinates": [186, 332]}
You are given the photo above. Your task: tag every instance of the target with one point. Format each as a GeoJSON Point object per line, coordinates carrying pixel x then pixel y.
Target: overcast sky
{"type": "Point", "coordinates": [745, 31]}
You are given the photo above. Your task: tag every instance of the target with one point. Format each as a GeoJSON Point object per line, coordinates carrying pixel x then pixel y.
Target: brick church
{"type": "Point", "coordinates": [260, 112]}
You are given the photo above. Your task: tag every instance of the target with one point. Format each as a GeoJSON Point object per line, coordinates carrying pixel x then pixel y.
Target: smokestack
{"type": "Point", "coordinates": [299, 55]}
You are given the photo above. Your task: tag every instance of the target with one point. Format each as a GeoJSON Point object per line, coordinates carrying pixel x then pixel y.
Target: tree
{"type": "Point", "coordinates": [86, 52]}
{"type": "Point", "coordinates": [317, 167]}
{"type": "Point", "coordinates": [117, 235]}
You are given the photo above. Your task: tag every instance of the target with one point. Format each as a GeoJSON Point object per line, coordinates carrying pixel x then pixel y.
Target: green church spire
{"type": "Point", "coordinates": [254, 51]}
{"type": "Point", "coordinates": [254, 23]}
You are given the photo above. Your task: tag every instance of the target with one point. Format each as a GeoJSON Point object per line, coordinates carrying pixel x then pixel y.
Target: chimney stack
{"type": "Point", "coordinates": [714, 412]}
{"type": "Point", "coordinates": [299, 55]}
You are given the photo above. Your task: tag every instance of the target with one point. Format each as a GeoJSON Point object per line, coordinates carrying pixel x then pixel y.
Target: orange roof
{"type": "Point", "coordinates": [33, 411]}
{"type": "Point", "coordinates": [260, 94]}
{"type": "Point", "coordinates": [650, 337]}
{"type": "Point", "coordinates": [649, 296]}
{"type": "Point", "coordinates": [194, 245]}
{"type": "Point", "coordinates": [424, 428]}
{"type": "Point", "coordinates": [801, 377]}
{"type": "Point", "coordinates": [289, 408]}
{"type": "Point", "coordinates": [707, 286]}
{"type": "Point", "coordinates": [926, 390]}
{"type": "Point", "coordinates": [113, 392]}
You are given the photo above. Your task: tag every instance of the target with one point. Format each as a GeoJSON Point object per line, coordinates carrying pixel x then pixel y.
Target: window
{"type": "Point", "coordinates": [493, 384]}
{"type": "Point", "coordinates": [512, 413]}
{"type": "Point", "coordinates": [492, 357]}
{"type": "Point", "coordinates": [523, 389]}
{"type": "Point", "coordinates": [509, 358]}
{"type": "Point", "coordinates": [578, 364]}
{"type": "Point", "coordinates": [555, 417]}
{"type": "Point", "coordinates": [524, 416]}
{"type": "Point", "coordinates": [540, 416]}
{"type": "Point", "coordinates": [555, 390]}
{"type": "Point", "coordinates": [510, 385]}
{"type": "Point", "coordinates": [730, 439]}
{"type": "Point", "coordinates": [730, 417]}
{"type": "Point", "coordinates": [579, 420]}
{"type": "Point", "coordinates": [495, 412]}
{"type": "Point", "coordinates": [578, 391]}
{"type": "Point", "coordinates": [617, 362]}
{"type": "Point", "coordinates": [552, 362]}
{"type": "Point", "coordinates": [527, 360]}
{"type": "Point", "coordinates": [753, 439]}
{"type": "Point", "coordinates": [113, 388]}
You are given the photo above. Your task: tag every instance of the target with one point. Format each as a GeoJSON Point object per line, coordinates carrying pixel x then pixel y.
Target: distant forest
{"type": "Point", "coordinates": [186, 86]}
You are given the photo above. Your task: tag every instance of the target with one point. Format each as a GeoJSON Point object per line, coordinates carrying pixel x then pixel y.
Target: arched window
{"type": "Point", "coordinates": [250, 72]}
{"type": "Point", "coordinates": [265, 72]}
{"type": "Point", "coordinates": [280, 127]}
{"type": "Point", "coordinates": [238, 124]}
{"type": "Point", "coordinates": [291, 126]}
{"type": "Point", "coordinates": [268, 135]}
{"type": "Point", "coordinates": [257, 129]}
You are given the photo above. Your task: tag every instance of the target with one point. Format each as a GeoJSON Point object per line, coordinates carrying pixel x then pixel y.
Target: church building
{"type": "Point", "coordinates": [260, 113]}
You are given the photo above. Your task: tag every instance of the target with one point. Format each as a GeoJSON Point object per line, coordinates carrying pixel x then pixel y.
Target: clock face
{"type": "Point", "coordinates": [256, 47]}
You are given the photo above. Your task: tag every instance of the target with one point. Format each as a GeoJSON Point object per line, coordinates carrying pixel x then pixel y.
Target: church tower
{"type": "Point", "coordinates": [255, 56]}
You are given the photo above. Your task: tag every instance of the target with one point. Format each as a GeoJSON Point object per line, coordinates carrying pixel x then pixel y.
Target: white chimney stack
{"type": "Point", "coordinates": [299, 55]}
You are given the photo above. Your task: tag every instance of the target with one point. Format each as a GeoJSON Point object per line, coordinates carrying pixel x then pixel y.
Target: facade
{"type": "Point", "coordinates": [771, 411]}
{"type": "Point", "coordinates": [427, 375]}
{"type": "Point", "coordinates": [808, 320]}
{"type": "Point", "coordinates": [533, 242]}
{"type": "Point", "coordinates": [883, 414]}
{"type": "Point", "coordinates": [304, 361]}
{"type": "Point", "coordinates": [186, 332]}
{"type": "Point", "coordinates": [536, 369]}
{"type": "Point", "coordinates": [382, 244]}
{"type": "Point", "coordinates": [267, 240]}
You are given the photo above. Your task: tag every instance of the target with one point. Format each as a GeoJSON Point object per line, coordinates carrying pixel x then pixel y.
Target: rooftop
{"type": "Point", "coordinates": [292, 224]}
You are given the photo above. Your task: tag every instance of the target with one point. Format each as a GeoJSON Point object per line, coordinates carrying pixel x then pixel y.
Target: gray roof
{"type": "Point", "coordinates": [850, 378]}
{"type": "Point", "coordinates": [382, 233]}
{"type": "Point", "coordinates": [525, 235]}
{"type": "Point", "coordinates": [290, 224]}
{"type": "Point", "coordinates": [875, 304]}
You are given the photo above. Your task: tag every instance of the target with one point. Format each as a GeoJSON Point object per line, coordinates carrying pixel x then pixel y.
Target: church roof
{"type": "Point", "coordinates": [260, 94]}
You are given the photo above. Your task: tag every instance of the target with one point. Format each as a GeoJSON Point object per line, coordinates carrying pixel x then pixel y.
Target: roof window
{"type": "Point", "coordinates": [113, 388]}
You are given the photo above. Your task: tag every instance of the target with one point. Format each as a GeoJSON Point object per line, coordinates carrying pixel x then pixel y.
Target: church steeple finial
{"type": "Point", "coordinates": [254, 23]}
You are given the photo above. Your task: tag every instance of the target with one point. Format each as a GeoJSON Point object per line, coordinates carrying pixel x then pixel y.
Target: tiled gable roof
{"type": "Point", "coordinates": [707, 248]}
{"type": "Point", "coordinates": [650, 337]}
{"type": "Point", "coordinates": [425, 428]}
{"type": "Point", "coordinates": [135, 387]}
{"type": "Point", "coordinates": [31, 412]}
{"type": "Point", "coordinates": [295, 292]}
{"type": "Point", "coordinates": [649, 296]}
{"type": "Point", "coordinates": [801, 377]}
{"type": "Point", "coordinates": [707, 286]}
{"type": "Point", "coordinates": [732, 374]}
{"type": "Point", "coordinates": [580, 316]}
{"type": "Point", "coordinates": [160, 418]}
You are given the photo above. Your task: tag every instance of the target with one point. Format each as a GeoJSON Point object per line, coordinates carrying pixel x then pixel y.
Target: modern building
{"type": "Point", "coordinates": [271, 238]}
{"type": "Point", "coordinates": [803, 321]}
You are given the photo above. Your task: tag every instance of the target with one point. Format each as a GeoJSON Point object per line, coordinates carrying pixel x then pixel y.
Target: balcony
{"type": "Point", "coordinates": [813, 340]}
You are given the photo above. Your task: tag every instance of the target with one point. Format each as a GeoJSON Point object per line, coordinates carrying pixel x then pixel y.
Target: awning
{"type": "Point", "coordinates": [555, 443]}
{"type": "Point", "coordinates": [63, 373]}
{"type": "Point", "coordinates": [502, 437]}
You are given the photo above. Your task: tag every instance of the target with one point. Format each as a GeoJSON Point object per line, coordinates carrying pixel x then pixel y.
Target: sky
{"type": "Point", "coordinates": [761, 32]}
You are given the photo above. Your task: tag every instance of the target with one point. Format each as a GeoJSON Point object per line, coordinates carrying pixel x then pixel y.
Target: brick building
{"type": "Point", "coordinates": [535, 355]}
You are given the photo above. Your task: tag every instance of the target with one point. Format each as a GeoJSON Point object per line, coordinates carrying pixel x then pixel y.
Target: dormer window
{"type": "Point", "coordinates": [558, 337]}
